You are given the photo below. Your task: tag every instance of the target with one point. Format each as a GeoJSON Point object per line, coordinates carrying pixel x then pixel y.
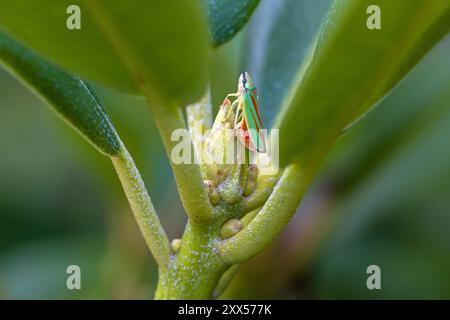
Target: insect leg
{"type": "Point", "coordinates": [232, 95]}
{"type": "Point", "coordinates": [233, 107]}
{"type": "Point", "coordinates": [238, 117]}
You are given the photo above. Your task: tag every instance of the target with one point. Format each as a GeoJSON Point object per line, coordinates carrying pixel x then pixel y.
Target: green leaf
{"type": "Point", "coordinates": [379, 173]}
{"type": "Point", "coordinates": [351, 68]}
{"type": "Point", "coordinates": [69, 96]}
{"type": "Point", "coordinates": [124, 45]}
{"type": "Point", "coordinates": [414, 105]}
{"type": "Point", "coordinates": [227, 17]}
{"type": "Point", "coordinates": [279, 37]}
{"type": "Point", "coordinates": [396, 203]}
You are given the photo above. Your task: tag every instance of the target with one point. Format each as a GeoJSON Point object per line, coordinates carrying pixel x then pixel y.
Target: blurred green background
{"type": "Point", "coordinates": [382, 197]}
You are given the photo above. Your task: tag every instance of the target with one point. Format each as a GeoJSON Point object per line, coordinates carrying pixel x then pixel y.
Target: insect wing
{"type": "Point", "coordinates": [244, 136]}
{"type": "Point", "coordinates": [253, 120]}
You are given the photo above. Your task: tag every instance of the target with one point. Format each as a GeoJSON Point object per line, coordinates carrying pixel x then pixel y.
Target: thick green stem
{"type": "Point", "coordinates": [270, 221]}
{"type": "Point", "coordinates": [142, 207]}
{"type": "Point", "coordinates": [196, 269]}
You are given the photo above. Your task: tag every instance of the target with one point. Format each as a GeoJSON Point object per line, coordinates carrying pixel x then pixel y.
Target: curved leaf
{"type": "Point", "coordinates": [227, 17]}
{"type": "Point", "coordinates": [352, 67]}
{"type": "Point", "coordinates": [121, 44]}
{"type": "Point", "coordinates": [279, 38]}
{"type": "Point", "coordinates": [69, 96]}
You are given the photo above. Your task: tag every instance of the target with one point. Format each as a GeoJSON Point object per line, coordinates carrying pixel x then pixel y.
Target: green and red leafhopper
{"type": "Point", "coordinates": [248, 124]}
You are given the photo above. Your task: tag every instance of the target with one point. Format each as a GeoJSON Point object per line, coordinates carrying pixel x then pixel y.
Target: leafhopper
{"type": "Point", "coordinates": [247, 123]}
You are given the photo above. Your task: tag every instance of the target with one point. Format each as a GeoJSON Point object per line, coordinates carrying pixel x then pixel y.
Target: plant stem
{"type": "Point", "coordinates": [249, 217]}
{"type": "Point", "coordinates": [142, 207]}
{"type": "Point", "coordinates": [205, 264]}
{"type": "Point", "coordinates": [199, 120]}
{"type": "Point", "coordinates": [271, 219]}
{"type": "Point", "coordinates": [200, 111]}
{"type": "Point", "coordinates": [167, 115]}
{"type": "Point", "coordinates": [225, 281]}
{"type": "Point", "coordinates": [262, 192]}
{"type": "Point", "coordinates": [196, 268]}
{"type": "Point", "coordinates": [188, 177]}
